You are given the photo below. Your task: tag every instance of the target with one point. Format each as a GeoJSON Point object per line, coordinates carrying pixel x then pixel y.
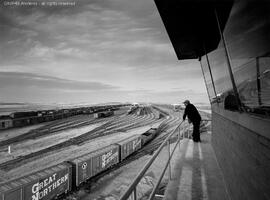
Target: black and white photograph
{"type": "Point", "coordinates": [134, 99]}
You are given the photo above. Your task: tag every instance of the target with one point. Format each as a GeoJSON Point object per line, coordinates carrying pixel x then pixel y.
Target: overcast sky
{"type": "Point", "coordinates": [94, 51]}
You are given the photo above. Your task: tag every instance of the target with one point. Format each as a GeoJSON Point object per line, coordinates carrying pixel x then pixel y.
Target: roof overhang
{"type": "Point", "coordinates": [192, 25]}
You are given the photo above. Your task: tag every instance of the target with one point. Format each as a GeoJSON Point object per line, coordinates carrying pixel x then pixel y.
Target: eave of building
{"type": "Point", "coordinates": [192, 25]}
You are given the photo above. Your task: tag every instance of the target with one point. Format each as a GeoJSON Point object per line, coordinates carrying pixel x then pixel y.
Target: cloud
{"type": "Point", "coordinates": [120, 45]}
{"type": "Point", "coordinates": [167, 96]}
{"type": "Point", "coordinates": [177, 96]}
{"type": "Point", "coordinates": [42, 52]}
{"type": "Point", "coordinates": [28, 80]}
{"type": "Point", "coordinates": [122, 31]}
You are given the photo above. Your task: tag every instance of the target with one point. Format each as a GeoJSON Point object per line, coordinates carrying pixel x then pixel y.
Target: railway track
{"type": "Point", "coordinates": [54, 128]}
{"type": "Point", "coordinates": [33, 134]}
{"type": "Point", "coordinates": [110, 126]}
{"type": "Point", "coordinates": [98, 132]}
{"type": "Point", "coordinates": [168, 124]}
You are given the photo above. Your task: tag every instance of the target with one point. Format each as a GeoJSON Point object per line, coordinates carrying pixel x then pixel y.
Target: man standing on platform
{"type": "Point", "coordinates": [195, 118]}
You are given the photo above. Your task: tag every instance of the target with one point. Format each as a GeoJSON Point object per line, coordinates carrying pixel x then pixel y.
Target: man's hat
{"type": "Point", "coordinates": [186, 101]}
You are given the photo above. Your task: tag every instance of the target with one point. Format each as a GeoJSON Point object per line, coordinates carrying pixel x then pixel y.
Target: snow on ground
{"type": "Point", "coordinates": [207, 111]}
{"type": "Point", "coordinates": [113, 185]}
{"type": "Point", "coordinates": [10, 133]}
{"type": "Point", "coordinates": [72, 152]}
{"type": "Point", "coordinates": [33, 145]}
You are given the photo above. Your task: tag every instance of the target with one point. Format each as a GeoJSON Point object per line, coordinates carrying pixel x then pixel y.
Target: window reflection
{"type": "Point", "coordinates": [264, 78]}
{"type": "Point", "coordinates": [207, 77]}
{"type": "Point", "coordinates": [246, 82]}
{"type": "Point", "coordinates": [219, 68]}
{"type": "Point", "coordinates": [247, 36]}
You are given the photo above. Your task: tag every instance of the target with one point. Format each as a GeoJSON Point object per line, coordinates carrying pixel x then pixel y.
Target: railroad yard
{"type": "Point", "coordinates": [33, 148]}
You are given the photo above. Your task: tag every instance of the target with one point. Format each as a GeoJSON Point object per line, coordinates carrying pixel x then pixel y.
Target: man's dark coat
{"type": "Point", "coordinates": [192, 113]}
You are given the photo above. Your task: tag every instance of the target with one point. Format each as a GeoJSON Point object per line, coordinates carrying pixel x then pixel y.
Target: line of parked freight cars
{"type": "Point", "coordinates": [103, 114]}
{"type": "Point", "coordinates": [49, 183]}
{"type": "Point", "coordinates": [19, 119]}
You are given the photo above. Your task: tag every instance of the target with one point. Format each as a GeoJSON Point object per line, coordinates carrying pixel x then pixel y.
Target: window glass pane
{"type": "Point", "coordinates": [264, 79]}
{"type": "Point", "coordinates": [245, 79]}
{"type": "Point", "coordinates": [247, 36]}
{"type": "Point", "coordinates": [220, 72]}
{"type": "Point", "coordinates": [207, 77]}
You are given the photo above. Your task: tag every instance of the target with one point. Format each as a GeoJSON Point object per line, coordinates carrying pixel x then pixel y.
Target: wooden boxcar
{"type": "Point", "coordinates": [45, 184]}
{"type": "Point", "coordinates": [129, 146]}
{"type": "Point", "coordinates": [91, 164]}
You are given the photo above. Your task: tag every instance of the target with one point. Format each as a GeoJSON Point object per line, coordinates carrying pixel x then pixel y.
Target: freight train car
{"type": "Point", "coordinates": [45, 184]}
{"type": "Point", "coordinates": [19, 122]}
{"type": "Point", "coordinates": [59, 179]}
{"type": "Point", "coordinates": [24, 114]}
{"type": "Point", "coordinates": [5, 122]}
{"type": "Point", "coordinates": [93, 163]}
{"type": "Point", "coordinates": [129, 146]}
{"type": "Point", "coordinates": [103, 114]}
{"type": "Point", "coordinates": [24, 118]}
{"type": "Point", "coordinates": [149, 135]}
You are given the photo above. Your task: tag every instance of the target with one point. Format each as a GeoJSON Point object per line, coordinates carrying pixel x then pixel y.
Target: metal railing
{"type": "Point", "coordinates": [132, 188]}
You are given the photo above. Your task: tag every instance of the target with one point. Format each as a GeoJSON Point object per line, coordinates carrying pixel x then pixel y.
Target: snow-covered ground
{"type": "Point", "coordinates": [207, 111]}
{"type": "Point", "coordinates": [30, 146]}
{"type": "Point", "coordinates": [10, 133]}
{"type": "Point", "coordinates": [72, 152]}
{"type": "Point", "coordinates": [113, 185]}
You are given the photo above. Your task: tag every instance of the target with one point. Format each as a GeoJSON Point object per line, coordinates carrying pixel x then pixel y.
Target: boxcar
{"type": "Point", "coordinates": [5, 122]}
{"type": "Point", "coordinates": [97, 115]}
{"type": "Point", "coordinates": [148, 135]}
{"type": "Point", "coordinates": [129, 145]}
{"type": "Point", "coordinates": [103, 114]}
{"type": "Point", "coordinates": [45, 184]}
{"type": "Point", "coordinates": [91, 164]}
{"type": "Point", "coordinates": [24, 114]}
{"type": "Point", "coordinates": [18, 122]}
